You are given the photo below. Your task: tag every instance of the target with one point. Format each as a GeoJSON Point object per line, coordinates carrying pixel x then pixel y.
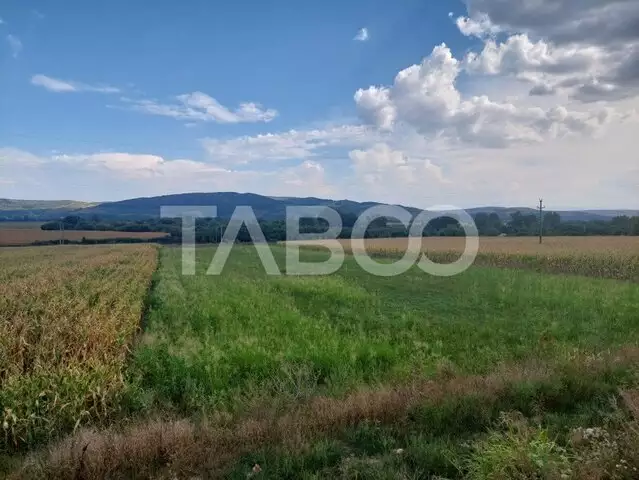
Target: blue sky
{"type": "Point", "coordinates": [104, 101]}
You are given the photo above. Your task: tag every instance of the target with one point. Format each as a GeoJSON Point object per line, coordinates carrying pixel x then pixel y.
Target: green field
{"type": "Point", "coordinates": [210, 339]}
{"type": "Point", "coordinates": [487, 374]}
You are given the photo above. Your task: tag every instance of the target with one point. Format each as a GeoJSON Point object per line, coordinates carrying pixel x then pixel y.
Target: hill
{"type": "Point", "coordinates": [7, 204]}
{"type": "Point", "coordinates": [265, 207]}
{"type": "Point", "coordinates": [39, 210]}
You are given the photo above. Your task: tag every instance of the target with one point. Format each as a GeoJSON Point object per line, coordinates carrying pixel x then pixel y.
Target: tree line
{"type": "Point", "coordinates": [209, 230]}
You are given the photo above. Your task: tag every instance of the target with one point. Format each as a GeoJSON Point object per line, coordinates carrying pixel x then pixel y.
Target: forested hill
{"type": "Point", "coordinates": [265, 208]}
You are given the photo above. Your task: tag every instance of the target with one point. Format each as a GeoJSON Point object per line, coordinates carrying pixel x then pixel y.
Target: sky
{"type": "Point", "coordinates": [416, 102]}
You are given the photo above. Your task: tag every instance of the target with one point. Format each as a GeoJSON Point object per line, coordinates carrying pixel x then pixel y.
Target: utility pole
{"type": "Point", "coordinates": [541, 220]}
{"type": "Point", "coordinates": [61, 232]}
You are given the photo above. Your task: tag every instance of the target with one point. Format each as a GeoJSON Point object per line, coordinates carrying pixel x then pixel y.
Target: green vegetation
{"type": "Point", "coordinates": [489, 225]}
{"type": "Point", "coordinates": [492, 374]}
{"type": "Point", "coordinates": [210, 339]}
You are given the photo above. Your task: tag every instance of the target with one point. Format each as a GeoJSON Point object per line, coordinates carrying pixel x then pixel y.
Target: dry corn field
{"type": "Point", "coordinates": [609, 257]}
{"type": "Point", "coordinates": [512, 245]}
{"type": "Point", "coordinates": [26, 236]}
{"type": "Point", "coordinates": [68, 315]}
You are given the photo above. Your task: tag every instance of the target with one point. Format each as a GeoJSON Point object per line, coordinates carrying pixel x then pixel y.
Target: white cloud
{"type": "Point", "coordinates": [480, 26]}
{"type": "Point", "coordinates": [131, 174]}
{"type": "Point", "coordinates": [362, 35]}
{"type": "Point", "coordinates": [519, 55]}
{"type": "Point", "coordinates": [198, 106]}
{"type": "Point", "coordinates": [381, 166]}
{"type": "Point", "coordinates": [293, 144]}
{"type": "Point", "coordinates": [137, 166]}
{"type": "Point", "coordinates": [62, 86]}
{"type": "Point", "coordinates": [426, 98]}
{"type": "Point", "coordinates": [15, 45]}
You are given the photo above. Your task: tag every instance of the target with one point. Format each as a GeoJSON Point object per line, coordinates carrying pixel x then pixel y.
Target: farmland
{"type": "Point", "coordinates": [557, 246]}
{"type": "Point", "coordinates": [67, 317]}
{"type": "Point", "coordinates": [15, 234]}
{"type": "Point", "coordinates": [622, 245]}
{"type": "Point", "coordinates": [604, 257]}
{"type": "Point", "coordinates": [341, 376]}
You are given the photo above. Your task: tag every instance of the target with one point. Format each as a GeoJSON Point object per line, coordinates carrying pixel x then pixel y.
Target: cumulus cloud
{"type": "Point", "coordinates": [426, 98]}
{"type": "Point", "coordinates": [15, 45]}
{"type": "Point", "coordinates": [63, 86]}
{"type": "Point", "coordinates": [564, 21]}
{"type": "Point", "coordinates": [198, 106]}
{"type": "Point", "coordinates": [588, 49]}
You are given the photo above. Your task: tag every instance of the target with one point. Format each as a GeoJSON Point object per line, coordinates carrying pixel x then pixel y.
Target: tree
{"type": "Point", "coordinates": [552, 220]}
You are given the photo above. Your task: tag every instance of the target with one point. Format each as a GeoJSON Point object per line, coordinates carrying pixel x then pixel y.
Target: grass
{"type": "Point", "coordinates": [213, 339]}
{"type": "Point", "coordinates": [28, 236]}
{"type": "Point", "coordinates": [68, 315]}
{"type": "Point", "coordinates": [358, 436]}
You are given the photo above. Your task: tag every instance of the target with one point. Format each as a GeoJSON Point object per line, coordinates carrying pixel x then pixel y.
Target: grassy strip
{"type": "Point", "coordinates": [371, 420]}
{"type": "Point", "coordinates": [67, 315]}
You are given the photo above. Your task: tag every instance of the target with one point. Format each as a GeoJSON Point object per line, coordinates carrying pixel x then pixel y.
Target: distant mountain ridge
{"type": "Point", "coordinates": [265, 207]}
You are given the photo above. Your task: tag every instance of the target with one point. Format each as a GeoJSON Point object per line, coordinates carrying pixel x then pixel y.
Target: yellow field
{"type": "Point", "coordinates": [67, 317]}
{"type": "Point", "coordinates": [606, 257]}
{"type": "Point", "coordinates": [508, 245]}
{"type": "Point", "coordinates": [26, 236]}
